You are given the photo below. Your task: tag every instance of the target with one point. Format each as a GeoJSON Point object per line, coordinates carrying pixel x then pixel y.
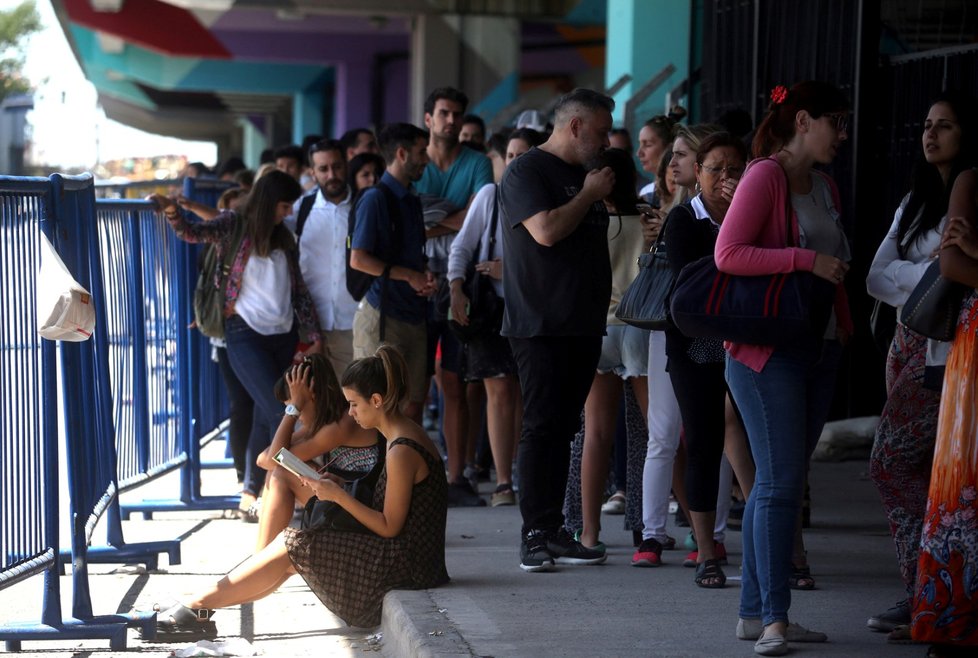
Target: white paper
{"type": "Point", "coordinates": [295, 465]}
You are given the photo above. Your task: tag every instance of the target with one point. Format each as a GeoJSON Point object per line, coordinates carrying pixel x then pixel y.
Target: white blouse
{"type": "Point", "coordinates": [265, 299]}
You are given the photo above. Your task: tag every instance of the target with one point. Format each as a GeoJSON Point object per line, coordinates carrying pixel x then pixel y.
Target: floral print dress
{"type": "Point", "coordinates": [945, 609]}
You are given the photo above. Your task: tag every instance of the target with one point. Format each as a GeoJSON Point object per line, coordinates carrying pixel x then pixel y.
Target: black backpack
{"type": "Point", "coordinates": [305, 208]}
{"type": "Point", "coordinates": [357, 282]}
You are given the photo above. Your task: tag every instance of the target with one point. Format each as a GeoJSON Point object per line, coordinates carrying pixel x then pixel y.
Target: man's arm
{"type": "Point", "coordinates": [453, 223]}
{"type": "Point", "coordinates": [549, 227]}
{"type": "Point", "coordinates": [364, 261]}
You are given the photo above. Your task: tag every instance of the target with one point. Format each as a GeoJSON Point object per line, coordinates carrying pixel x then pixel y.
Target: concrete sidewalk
{"type": "Point", "coordinates": [492, 608]}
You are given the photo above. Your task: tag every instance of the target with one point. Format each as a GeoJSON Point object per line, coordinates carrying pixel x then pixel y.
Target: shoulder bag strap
{"type": "Point", "coordinates": [789, 234]}
{"type": "Point", "coordinates": [493, 223]}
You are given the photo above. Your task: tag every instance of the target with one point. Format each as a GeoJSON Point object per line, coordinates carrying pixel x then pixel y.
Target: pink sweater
{"type": "Point", "coordinates": [752, 242]}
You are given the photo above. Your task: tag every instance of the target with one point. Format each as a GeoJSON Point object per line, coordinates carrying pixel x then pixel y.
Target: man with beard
{"type": "Point", "coordinates": [454, 174]}
{"type": "Point", "coordinates": [557, 285]}
{"type": "Point", "coordinates": [319, 222]}
{"type": "Point", "coordinates": [388, 243]}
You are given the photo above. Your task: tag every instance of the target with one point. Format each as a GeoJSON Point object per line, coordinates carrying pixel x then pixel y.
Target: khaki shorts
{"type": "Point", "coordinates": [410, 339]}
{"type": "Point", "coordinates": [338, 348]}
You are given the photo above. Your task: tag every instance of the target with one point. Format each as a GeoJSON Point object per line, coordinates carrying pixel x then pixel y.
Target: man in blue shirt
{"type": "Point", "coordinates": [397, 296]}
{"type": "Point", "coordinates": [454, 173]}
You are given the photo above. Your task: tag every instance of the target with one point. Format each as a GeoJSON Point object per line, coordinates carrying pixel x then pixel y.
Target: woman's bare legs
{"type": "Point", "coordinates": [475, 401]}
{"type": "Point", "coordinates": [502, 397]}
{"type": "Point", "coordinates": [282, 490]}
{"type": "Point", "coordinates": [257, 577]}
{"type": "Point", "coordinates": [600, 418]}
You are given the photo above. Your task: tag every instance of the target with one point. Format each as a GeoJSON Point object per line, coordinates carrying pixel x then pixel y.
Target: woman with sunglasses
{"type": "Point", "coordinates": [784, 393]}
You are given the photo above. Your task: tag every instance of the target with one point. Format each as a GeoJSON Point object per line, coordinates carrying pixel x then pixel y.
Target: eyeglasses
{"type": "Point", "coordinates": [840, 119]}
{"type": "Point", "coordinates": [730, 171]}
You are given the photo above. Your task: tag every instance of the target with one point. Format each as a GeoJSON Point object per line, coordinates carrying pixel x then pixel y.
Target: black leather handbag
{"type": "Point", "coordinates": [933, 307]}
{"type": "Point", "coordinates": [328, 515]}
{"type": "Point", "coordinates": [485, 306]}
{"type": "Point", "coordinates": [645, 302]}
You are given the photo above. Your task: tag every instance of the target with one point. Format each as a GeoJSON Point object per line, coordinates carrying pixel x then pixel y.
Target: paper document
{"type": "Point", "coordinates": [295, 465]}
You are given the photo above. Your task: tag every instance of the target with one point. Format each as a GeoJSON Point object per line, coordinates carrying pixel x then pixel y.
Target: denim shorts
{"type": "Point", "coordinates": [625, 351]}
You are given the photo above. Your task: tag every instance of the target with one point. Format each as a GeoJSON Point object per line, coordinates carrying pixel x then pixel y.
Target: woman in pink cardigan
{"type": "Point", "coordinates": [784, 393]}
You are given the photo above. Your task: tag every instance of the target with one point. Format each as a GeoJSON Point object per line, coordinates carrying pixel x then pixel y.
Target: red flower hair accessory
{"type": "Point", "coordinates": [778, 94]}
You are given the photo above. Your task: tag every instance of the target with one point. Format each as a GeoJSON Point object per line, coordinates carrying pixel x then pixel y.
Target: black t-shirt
{"type": "Point", "coordinates": [562, 290]}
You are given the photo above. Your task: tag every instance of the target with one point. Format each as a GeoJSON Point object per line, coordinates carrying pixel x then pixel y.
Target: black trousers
{"type": "Point", "coordinates": [555, 376]}
{"type": "Point", "coordinates": [240, 412]}
{"type": "Point", "coordinates": [701, 393]}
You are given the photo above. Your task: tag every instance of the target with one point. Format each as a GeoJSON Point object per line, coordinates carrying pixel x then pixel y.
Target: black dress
{"type": "Point", "coordinates": [351, 572]}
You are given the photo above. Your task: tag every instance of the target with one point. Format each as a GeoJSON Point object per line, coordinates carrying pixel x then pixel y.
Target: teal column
{"type": "Point", "coordinates": [307, 113]}
{"type": "Point", "coordinates": [644, 36]}
{"type": "Point", "coordinates": [253, 143]}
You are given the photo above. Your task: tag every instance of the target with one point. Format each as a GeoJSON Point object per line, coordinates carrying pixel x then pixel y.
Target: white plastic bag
{"type": "Point", "coordinates": [237, 646]}
{"type": "Point", "coordinates": [64, 308]}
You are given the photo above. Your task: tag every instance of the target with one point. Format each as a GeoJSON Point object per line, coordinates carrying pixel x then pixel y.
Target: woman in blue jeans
{"type": "Point", "coordinates": [267, 307]}
{"type": "Point", "coordinates": [784, 393]}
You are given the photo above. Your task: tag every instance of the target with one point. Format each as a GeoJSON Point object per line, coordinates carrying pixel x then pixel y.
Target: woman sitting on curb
{"type": "Point", "coordinates": [315, 423]}
{"type": "Point", "coordinates": [351, 572]}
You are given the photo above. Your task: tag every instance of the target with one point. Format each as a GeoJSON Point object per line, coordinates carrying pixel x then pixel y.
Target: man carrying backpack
{"type": "Point", "coordinates": [387, 243]}
{"type": "Point", "coordinates": [320, 222]}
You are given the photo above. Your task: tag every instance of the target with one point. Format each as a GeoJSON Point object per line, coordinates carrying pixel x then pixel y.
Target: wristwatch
{"type": "Point", "coordinates": [291, 410]}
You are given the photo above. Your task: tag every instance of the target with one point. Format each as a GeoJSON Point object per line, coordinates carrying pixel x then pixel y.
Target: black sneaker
{"type": "Point", "coordinates": [461, 494]}
{"type": "Point", "coordinates": [534, 555]}
{"type": "Point", "coordinates": [898, 615]}
{"type": "Point", "coordinates": [568, 551]}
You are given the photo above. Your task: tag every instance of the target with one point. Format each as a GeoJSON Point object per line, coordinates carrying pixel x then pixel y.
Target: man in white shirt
{"type": "Point", "coordinates": [320, 222]}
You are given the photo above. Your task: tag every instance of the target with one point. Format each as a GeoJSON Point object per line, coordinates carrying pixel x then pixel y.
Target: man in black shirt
{"type": "Point", "coordinates": [557, 285]}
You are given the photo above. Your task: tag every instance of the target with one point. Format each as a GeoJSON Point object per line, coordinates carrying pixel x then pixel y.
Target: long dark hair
{"type": "Point", "coordinates": [623, 194]}
{"type": "Point", "coordinates": [778, 127]}
{"type": "Point", "coordinates": [384, 373]}
{"type": "Point", "coordinates": [360, 161]}
{"type": "Point", "coordinates": [258, 212]}
{"type": "Point", "coordinates": [330, 403]}
{"type": "Point", "coordinates": [929, 194]}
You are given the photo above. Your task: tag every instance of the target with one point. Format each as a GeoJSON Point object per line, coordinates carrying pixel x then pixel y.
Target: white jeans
{"type": "Point", "coordinates": [664, 423]}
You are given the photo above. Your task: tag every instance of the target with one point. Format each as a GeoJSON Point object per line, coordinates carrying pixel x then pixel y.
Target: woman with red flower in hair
{"type": "Point", "coordinates": [784, 392]}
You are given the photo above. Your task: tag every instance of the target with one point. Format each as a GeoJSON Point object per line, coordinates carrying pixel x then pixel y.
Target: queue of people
{"type": "Point", "coordinates": [345, 302]}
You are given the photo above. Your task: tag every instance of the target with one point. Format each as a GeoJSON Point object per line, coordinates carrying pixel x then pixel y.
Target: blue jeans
{"type": "Point", "coordinates": [784, 408]}
{"type": "Point", "coordinates": [259, 361]}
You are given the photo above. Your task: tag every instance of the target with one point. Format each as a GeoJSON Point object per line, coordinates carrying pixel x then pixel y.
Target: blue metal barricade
{"type": "Point", "coordinates": [198, 385]}
{"type": "Point", "coordinates": [134, 345]}
{"type": "Point", "coordinates": [29, 523]}
{"type": "Point", "coordinates": [207, 390]}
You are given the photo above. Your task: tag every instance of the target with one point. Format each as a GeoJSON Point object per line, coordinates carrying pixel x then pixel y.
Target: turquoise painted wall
{"type": "Point", "coordinates": [643, 37]}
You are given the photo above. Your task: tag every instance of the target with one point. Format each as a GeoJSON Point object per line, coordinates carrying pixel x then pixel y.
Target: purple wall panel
{"type": "Point", "coordinates": [397, 90]}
